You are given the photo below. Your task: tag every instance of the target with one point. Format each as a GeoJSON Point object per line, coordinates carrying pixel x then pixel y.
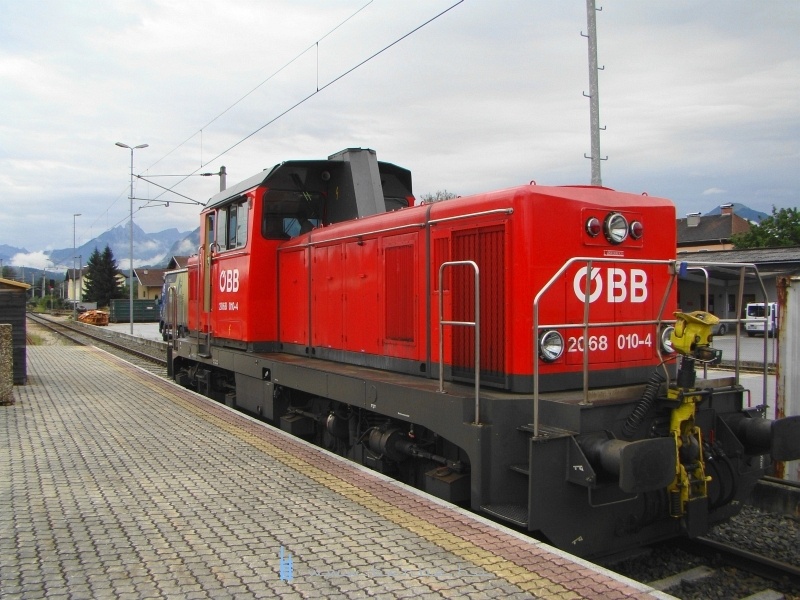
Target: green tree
{"type": "Point", "coordinates": [9, 272]}
{"type": "Point", "coordinates": [438, 196]}
{"type": "Point", "coordinates": [101, 278]}
{"type": "Point", "coordinates": [780, 229]}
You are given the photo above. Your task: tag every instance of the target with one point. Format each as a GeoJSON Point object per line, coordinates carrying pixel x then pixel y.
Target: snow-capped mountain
{"type": "Point", "coordinates": [149, 249]}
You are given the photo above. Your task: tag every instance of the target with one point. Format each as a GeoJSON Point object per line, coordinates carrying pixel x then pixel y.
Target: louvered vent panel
{"type": "Point", "coordinates": [400, 293]}
{"type": "Point", "coordinates": [441, 254]}
{"type": "Point", "coordinates": [486, 247]}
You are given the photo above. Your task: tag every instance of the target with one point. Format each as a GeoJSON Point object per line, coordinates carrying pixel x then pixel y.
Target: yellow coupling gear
{"type": "Point", "coordinates": [692, 335]}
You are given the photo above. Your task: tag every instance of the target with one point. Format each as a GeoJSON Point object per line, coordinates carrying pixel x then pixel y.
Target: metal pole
{"type": "Point", "coordinates": [586, 303]}
{"type": "Point", "coordinates": [130, 274]}
{"type": "Point", "coordinates": [130, 281]}
{"type": "Point", "coordinates": [594, 92]}
{"type": "Point", "coordinates": [74, 288]}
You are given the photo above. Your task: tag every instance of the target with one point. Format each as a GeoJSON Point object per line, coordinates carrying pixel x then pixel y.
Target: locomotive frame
{"type": "Point", "coordinates": [332, 334]}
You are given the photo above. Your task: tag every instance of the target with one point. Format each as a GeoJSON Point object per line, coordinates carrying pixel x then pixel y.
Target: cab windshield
{"type": "Point", "coordinates": [289, 213]}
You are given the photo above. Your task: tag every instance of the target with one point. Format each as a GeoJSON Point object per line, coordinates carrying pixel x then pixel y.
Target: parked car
{"type": "Point", "coordinates": [761, 317]}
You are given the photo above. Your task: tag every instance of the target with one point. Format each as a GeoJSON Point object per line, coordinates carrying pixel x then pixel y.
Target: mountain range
{"type": "Point", "coordinates": [754, 216]}
{"type": "Point", "coordinates": [156, 249]}
{"type": "Point", "coordinates": [149, 249]}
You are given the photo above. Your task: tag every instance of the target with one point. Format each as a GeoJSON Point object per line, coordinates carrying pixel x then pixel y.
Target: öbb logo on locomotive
{"type": "Point", "coordinates": [229, 280]}
{"type": "Point", "coordinates": [451, 345]}
{"type": "Point", "coordinates": [622, 284]}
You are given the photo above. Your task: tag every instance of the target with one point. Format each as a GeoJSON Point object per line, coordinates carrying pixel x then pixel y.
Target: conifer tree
{"type": "Point", "coordinates": [101, 278]}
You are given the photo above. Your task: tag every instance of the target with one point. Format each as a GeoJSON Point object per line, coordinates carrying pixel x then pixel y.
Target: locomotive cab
{"type": "Point", "coordinates": [233, 278]}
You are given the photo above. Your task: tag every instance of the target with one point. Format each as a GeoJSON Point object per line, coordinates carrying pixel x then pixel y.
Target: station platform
{"type": "Point", "coordinates": [115, 483]}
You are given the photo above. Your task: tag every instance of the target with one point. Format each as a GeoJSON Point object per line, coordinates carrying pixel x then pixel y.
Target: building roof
{"type": "Point", "coordinates": [177, 262]}
{"type": "Point", "coordinates": [73, 273]}
{"type": "Point", "coordinates": [150, 277]}
{"type": "Point", "coordinates": [10, 284]}
{"type": "Point", "coordinates": [769, 261]}
{"type": "Point", "coordinates": [710, 229]}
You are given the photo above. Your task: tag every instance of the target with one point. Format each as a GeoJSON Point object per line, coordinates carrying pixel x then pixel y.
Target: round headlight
{"type": "Point", "coordinates": [666, 339]}
{"type": "Point", "coordinates": [616, 228]}
{"type": "Point", "coordinates": [551, 346]}
{"type": "Point", "coordinates": [637, 230]}
{"type": "Point", "coordinates": [593, 226]}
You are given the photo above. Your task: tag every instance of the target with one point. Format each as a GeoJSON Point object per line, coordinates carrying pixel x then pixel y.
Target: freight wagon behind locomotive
{"type": "Point", "coordinates": [512, 351]}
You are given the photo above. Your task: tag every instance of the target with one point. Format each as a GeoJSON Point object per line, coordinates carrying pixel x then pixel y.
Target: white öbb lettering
{"type": "Point", "coordinates": [620, 284]}
{"type": "Point", "coordinates": [229, 280]}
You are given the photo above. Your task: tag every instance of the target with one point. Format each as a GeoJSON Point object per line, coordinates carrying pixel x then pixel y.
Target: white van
{"type": "Point", "coordinates": [761, 315]}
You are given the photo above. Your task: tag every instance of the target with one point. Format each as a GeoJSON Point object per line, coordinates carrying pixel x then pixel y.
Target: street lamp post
{"type": "Point", "coordinates": [74, 289]}
{"type": "Point", "coordinates": [130, 281]}
{"type": "Point", "coordinates": [80, 278]}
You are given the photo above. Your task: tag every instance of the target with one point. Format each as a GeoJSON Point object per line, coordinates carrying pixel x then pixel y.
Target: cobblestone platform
{"type": "Point", "coordinates": [117, 484]}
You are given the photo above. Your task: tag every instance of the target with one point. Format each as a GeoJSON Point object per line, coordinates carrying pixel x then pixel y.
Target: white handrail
{"type": "Point", "coordinates": [476, 324]}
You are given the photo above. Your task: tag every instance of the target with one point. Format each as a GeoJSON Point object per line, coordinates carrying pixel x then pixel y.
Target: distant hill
{"type": "Point", "coordinates": [6, 252]}
{"type": "Point", "coordinates": [743, 211]}
{"type": "Point", "coordinates": [183, 247]}
{"type": "Point", "coordinates": [149, 249]}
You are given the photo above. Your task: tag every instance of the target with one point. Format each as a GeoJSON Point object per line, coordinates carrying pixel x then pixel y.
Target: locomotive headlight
{"type": "Point", "coordinates": [551, 346]}
{"type": "Point", "coordinates": [666, 342]}
{"type": "Point", "coordinates": [593, 226]}
{"type": "Point", "coordinates": [615, 228]}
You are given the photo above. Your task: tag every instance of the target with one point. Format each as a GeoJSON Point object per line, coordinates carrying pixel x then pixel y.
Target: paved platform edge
{"type": "Point", "coordinates": [523, 562]}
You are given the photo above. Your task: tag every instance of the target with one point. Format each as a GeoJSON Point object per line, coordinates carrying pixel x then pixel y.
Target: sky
{"type": "Point", "coordinates": [700, 101]}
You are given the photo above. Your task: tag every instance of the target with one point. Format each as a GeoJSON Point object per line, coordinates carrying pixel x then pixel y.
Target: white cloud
{"type": "Point", "coordinates": [36, 260]}
{"type": "Point", "coordinates": [695, 98]}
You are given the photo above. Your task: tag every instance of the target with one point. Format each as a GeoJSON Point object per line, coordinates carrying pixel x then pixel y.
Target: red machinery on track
{"type": "Point", "coordinates": [507, 351]}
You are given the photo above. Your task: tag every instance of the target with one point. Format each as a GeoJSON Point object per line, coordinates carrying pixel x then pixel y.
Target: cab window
{"type": "Point", "coordinates": [210, 228]}
{"type": "Point", "coordinates": [232, 226]}
{"type": "Point", "coordinates": [288, 214]}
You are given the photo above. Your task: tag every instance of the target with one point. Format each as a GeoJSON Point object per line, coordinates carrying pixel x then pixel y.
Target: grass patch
{"type": "Point", "coordinates": [34, 340]}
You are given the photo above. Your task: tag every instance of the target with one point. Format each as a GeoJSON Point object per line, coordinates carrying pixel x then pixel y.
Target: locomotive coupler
{"type": "Point", "coordinates": [688, 491]}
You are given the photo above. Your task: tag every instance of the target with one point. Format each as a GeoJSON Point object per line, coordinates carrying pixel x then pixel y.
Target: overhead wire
{"type": "Point", "coordinates": [330, 83]}
{"type": "Point", "coordinates": [272, 76]}
{"type": "Point", "coordinates": [306, 98]}
{"type": "Point", "coordinates": [228, 109]}
{"type": "Point", "coordinates": [296, 105]}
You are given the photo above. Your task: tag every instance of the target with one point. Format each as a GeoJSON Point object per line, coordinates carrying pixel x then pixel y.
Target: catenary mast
{"type": "Point", "coordinates": [594, 92]}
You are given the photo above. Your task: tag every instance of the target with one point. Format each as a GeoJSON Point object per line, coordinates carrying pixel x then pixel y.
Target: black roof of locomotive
{"type": "Point", "coordinates": [285, 170]}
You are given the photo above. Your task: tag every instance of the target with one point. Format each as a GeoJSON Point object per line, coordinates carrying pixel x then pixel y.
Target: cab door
{"type": "Point", "coordinates": [208, 249]}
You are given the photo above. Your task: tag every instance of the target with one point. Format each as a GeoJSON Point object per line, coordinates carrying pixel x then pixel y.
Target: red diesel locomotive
{"type": "Point", "coordinates": [506, 351]}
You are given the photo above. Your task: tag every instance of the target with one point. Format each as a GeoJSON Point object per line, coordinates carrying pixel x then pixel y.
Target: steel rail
{"type": "Point", "coordinates": [60, 328]}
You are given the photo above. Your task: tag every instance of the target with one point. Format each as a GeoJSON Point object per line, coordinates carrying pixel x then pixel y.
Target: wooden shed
{"type": "Point", "coordinates": [13, 297]}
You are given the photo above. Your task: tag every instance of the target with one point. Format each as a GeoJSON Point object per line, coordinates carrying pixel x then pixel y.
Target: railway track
{"type": "Point", "coordinates": [755, 554]}
{"type": "Point", "coordinates": [151, 357]}
{"type": "Point", "coordinates": [731, 573]}
{"type": "Point", "coordinates": [734, 556]}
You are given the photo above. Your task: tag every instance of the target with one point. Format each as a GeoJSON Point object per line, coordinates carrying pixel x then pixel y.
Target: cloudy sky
{"type": "Point", "coordinates": [700, 100]}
